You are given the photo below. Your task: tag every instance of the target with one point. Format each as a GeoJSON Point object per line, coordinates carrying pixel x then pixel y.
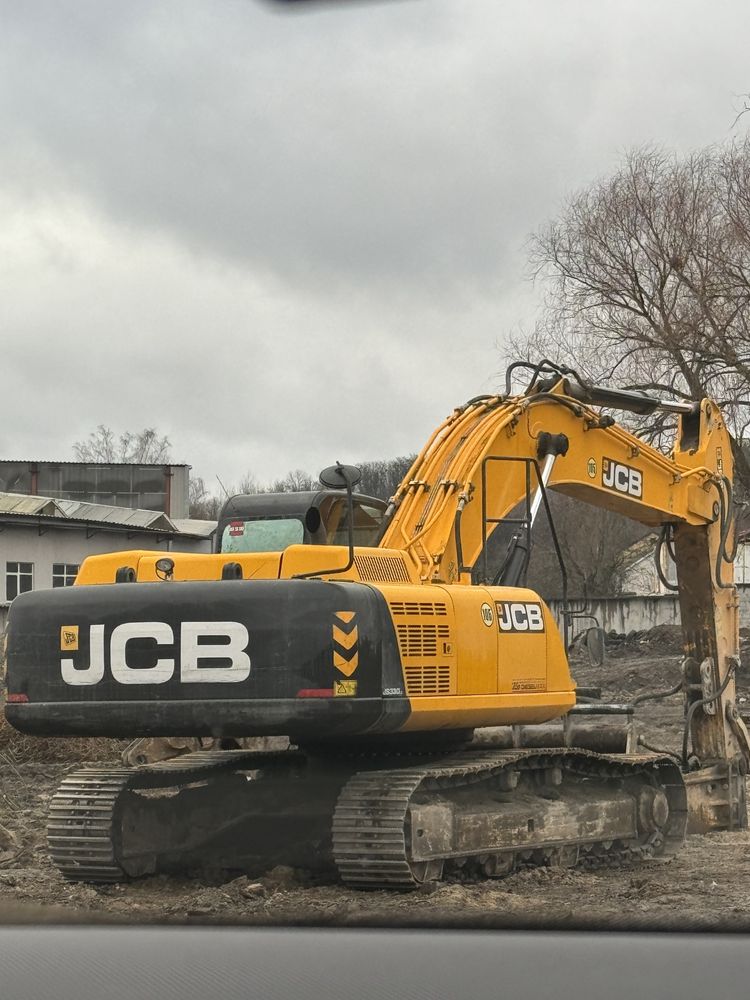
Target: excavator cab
{"type": "Point", "coordinates": [270, 522]}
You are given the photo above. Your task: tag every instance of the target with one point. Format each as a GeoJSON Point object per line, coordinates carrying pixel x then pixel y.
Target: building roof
{"type": "Point", "coordinates": [72, 461]}
{"type": "Point", "coordinates": [192, 526]}
{"type": "Point", "coordinates": [640, 550]}
{"type": "Point", "coordinates": [19, 505]}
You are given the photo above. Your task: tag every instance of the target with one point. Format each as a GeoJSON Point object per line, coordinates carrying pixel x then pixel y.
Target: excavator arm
{"type": "Point", "coordinates": [490, 463]}
{"type": "Point", "coordinates": [473, 472]}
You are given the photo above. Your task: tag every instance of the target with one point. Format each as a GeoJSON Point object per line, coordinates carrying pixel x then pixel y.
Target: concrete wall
{"type": "Point", "coordinates": [629, 614]}
{"type": "Point", "coordinates": [626, 614]}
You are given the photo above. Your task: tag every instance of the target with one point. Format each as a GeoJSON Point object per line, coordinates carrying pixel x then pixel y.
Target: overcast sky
{"type": "Point", "coordinates": [289, 238]}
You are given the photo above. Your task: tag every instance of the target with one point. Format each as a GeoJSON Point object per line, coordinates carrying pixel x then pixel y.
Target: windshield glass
{"type": "Point", "coordinates": [335, 517]}
{"type": "Point", "coordinates": [267, 535]}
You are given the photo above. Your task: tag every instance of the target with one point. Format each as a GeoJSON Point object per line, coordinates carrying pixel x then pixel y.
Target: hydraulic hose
{"type": "Point", "coordinates": [664, 539]}
{"type": "Point", "coordinates": [699, 703]}
{"type": "Point", "coordinates": [726, 519]}
{"type": "Point", "coordinates": [657, 695]}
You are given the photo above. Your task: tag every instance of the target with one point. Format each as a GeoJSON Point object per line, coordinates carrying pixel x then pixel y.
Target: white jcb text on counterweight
{"type": "Point", "coordinates": [191, 655]}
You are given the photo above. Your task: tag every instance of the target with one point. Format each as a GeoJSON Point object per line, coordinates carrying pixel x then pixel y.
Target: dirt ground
{"type": "Point", "coordinates": [704, 886]}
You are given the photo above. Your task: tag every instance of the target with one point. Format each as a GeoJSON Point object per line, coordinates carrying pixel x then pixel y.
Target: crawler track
{"type": "Point", "coordinates": [371, 824]}
{"type": "Point", "coordinates": [389, 827]}
{"type": "Point", "coordinates": [84, 829]}
{"type": "Point", "coordinates": [82, 835]}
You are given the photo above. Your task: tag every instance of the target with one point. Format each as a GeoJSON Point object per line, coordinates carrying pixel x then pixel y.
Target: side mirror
{"type": "Point", "coordinates": [340, 477]}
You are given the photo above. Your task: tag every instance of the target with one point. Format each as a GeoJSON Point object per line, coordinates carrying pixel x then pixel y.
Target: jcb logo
{"type": "Point", "coordinates": [622, 478]}
{"type": "Point", "coordinates": [69, 638]}
{"type": "Point", "coordinates": [193, 654]}
{"type": "Point", "coordinates": [519, 616]}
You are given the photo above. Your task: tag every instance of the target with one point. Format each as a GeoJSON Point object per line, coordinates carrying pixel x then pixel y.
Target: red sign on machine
{"type": "Point", "coordinates": [236, 528]}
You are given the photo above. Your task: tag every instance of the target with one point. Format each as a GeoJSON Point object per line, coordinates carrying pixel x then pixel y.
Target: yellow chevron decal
{"type": "Point", "coordinates": [347, 667]}
{"type": "Point", "coordinates": [342, 639]}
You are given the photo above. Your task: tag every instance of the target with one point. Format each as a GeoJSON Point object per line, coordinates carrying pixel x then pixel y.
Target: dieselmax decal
{"type": "Point", "coordinates": [529, 684]}
{"type": "Point", "coordinates": [519, 616]}
{"type": "Point", "coordinates": [191, 654]}
{"type": "Point", "coordinates": [622, 478]}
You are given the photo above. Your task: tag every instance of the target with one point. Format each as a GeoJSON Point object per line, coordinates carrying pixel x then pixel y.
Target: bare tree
{"type": "Point", "coordinates": [144, 447]}
{"type": "Point", "coordinates": [247, 484]}
{"type": "Point", "coordinates": [594, 544]}
{"type": "Point", "coordinates": [379, 478]}
{"type": "Point", "coordinates": [294, 481]}
{"type": "Point", "coordinates": [203, 505]}
{"type": "Point", "coordinates": [382, 478]}
{"type": "Point", "coordinates": [647, 275]}
{"type": "Point", "coordinates": [744, 108]}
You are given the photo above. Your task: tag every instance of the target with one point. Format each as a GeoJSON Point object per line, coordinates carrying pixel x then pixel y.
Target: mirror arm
{"type": "Point", "coordinates": [350, 515]}
{"type": "Point", "coordinates": [350, 484]}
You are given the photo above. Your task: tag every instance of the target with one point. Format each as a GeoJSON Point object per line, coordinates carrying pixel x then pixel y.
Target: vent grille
{"type": "Point", "coordinates": [419, 608]}
{"type": "Point", "coordinates": [381, 569]}
{"type": "Point", "coordinates": [421, 640]}
{"type": "Point", "coordinates": [428, 680]}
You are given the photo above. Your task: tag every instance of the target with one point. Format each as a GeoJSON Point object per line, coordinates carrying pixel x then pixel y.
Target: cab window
{"type": "Point", "coordinates": [262, 535]}
{"type": "Point", "coordinates": [367, 521]}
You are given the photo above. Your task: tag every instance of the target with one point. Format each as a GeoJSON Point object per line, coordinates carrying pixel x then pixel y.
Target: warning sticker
{"type": "Point", "coordinates": [344, 689]}
{"type": "Point", "coordinates": [69, 637]}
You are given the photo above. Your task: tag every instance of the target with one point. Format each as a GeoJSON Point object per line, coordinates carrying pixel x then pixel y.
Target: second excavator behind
{"type": "Point", "coordinates": [380, 662]}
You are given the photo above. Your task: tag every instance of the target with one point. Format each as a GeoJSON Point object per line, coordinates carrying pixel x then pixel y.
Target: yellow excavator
{"type": "Point", "coordinates": [379, 662]}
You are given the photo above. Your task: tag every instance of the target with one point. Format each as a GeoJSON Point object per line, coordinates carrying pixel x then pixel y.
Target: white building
{"type": "Point", "coordinates": [43, 540]}
{"type": "Point", "coordinates": [641, 578]}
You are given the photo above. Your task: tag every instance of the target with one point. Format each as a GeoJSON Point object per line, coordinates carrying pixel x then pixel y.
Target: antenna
{"type": "Point", "coordinates": [226, 494]}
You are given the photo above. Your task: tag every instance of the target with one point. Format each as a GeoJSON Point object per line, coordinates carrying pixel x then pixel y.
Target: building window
{"type": "Point", "coordinates": [64, 574]}
{"type": "Point", "coordinates": [19, 577]}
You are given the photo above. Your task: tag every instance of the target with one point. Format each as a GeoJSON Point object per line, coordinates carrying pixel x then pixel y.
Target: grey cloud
{"type": "Point", "coordinates": [391, 140]}
{"type": "Point", "coordinates": [284, 239]}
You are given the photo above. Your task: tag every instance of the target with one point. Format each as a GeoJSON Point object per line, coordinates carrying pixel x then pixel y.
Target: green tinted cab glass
{"type": "Point", "coordinates": [271, 535]}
